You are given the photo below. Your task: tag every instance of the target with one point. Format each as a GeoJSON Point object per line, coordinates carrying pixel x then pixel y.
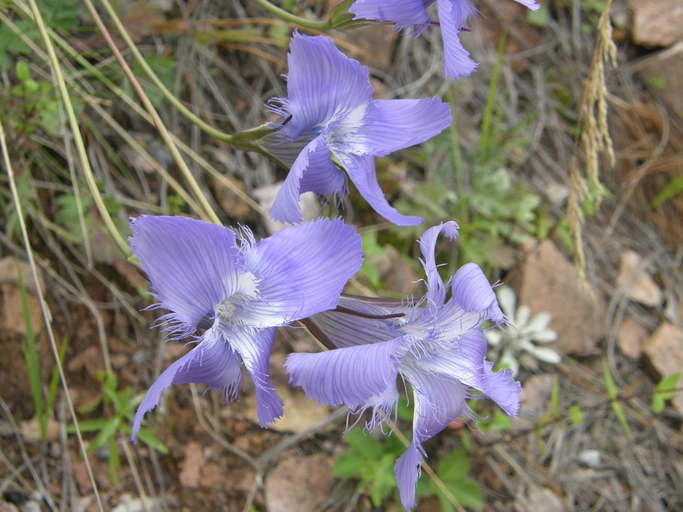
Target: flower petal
{"type": "Point", "coordinates": [301, 270]}
{"type": "Point", "coordinates": [361, 170]}
{"type": "Point", "coordinates": [192, 265]}
{"type": "Point", "coordinates": [286, 207]}
{"type": "Point", "coordinates": [436, 291]}
{"type": "Point", "coordinates": [438, 401]}
{"type": "Point", "coordinates": [390, 125]}
{"type": "Point", "coordinates": [404, 13]}
{"type": "Point", "coordinates": [349, 376]}
{"type": "Point", "coordinates": [453, 15]}
{"type": "Point", "coordinates": [255, 346]}
{"type": "Point", "coordinates": [211, 362]}
{"type": "Point", "coordinates": [472, 291]}
{"type": "Point", "coordinates": [322, 83]}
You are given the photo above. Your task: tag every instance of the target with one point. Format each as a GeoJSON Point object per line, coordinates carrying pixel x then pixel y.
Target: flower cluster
{"type": "Point", "coordinates": [231, 292]}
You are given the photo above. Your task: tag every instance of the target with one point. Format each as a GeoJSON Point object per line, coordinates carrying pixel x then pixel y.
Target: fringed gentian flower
{"type": "Point", "coordinates": [437, 345]}
{"type": "Point", "coordinates": [330, 122]}
{"type": "Point", "coordinates": [412, 14]}
{"type": "Point", "coordinates": [246, 288]}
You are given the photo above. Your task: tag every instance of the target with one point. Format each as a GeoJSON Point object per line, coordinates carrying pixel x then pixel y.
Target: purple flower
{"type": "Point", "coordinates": [437, 345]}
{"type": "Point", "coordinates": [453, 15]}
{"type": "Point", "coordinates": [332, 123]}
{"type": "Point", "coordinates": [247, 288]}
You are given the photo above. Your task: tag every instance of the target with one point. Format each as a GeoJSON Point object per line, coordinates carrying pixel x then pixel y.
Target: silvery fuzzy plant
{"type": "Point", "coordinates": [516, 346]}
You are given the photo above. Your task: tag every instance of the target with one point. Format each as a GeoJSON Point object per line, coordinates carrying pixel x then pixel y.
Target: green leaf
{"type": "Point", "coordinates": [22, 71]}
{"type": "Point", "coordinates": [89, 425]}
{"type": "Point", "coordinates": [576, 414]}
{"type": "Point", "coordinates": [349, 464]}
{"type": "Point", "coordinates": [613, 393]}
{"type": "Point", "coordinates": [455, 466]}
{"type": "Point", "coordinates": [105, 434]}
{"type": "Point", "coordinates": [674, 188]}
{"type": "Point", "coordinates": [540, 17]}
{"type": "Point", "coordinates": [664, 391]}
{"type": "Point", "coordinates": [363, 443]}
{"type": "Point", "coordinates": [147, 436]}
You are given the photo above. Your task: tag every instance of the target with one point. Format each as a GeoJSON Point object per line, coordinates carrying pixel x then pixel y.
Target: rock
{"type": "Point", "coordinates": [657, 23]}
{"type": "Point", "coordinates": [548, 282]}
{"type": "Point", "coordinates": [538, 499]}
{"type": "Point", "coordinates": [9, 274]}
{"type": "Point", "coordinates": [298, 483]}
{"type": "Point", "coordinates": [30, 430]}
{"type": "Point", "coordinates": [300, 412]}
{"type": "Point", "coordinates": [192, 465]}
{"type": "Point", "coordinates": [664, 350]}
{"type": "Point", "coordinates": [630, 338]}
{"type": "Point", "coordinates": [634, 281]}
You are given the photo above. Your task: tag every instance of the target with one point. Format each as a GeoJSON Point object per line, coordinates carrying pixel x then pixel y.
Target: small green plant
{"type": "Point", "coordinates": [31, 104]}
{"type": "Point", "coordinates": [479, 193]}
{"type": "Point", "coordinates": [370, 461]}
{"type": "Point", "coordinates": [60, 15]}
{"type": "Point", "coordinates": [43, 402]}
{"type": "Point", "coordinates": [452, 473]}
{"type": "Point", "coordinates": [613, 394]}
{"type": "Point", "coordinates": [122, 405]}
{"type": "Point", "coordinates": [664, 391]}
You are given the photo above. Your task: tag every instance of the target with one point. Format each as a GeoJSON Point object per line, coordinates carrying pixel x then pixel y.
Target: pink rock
{"type": "Point", "coordinates": [664, 350]}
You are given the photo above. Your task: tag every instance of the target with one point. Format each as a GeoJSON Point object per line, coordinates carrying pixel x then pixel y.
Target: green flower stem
{"type": "Point", "coordinates": [291, 18]}
{"type": "Point", "coordinates": [75, 130]}
{"type": "Point", "coordinates": [182, 109]}
{"type": "Point", "coordinates": [209, 214]}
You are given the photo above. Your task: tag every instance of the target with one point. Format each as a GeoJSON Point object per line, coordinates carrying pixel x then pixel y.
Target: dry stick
{"type": "Point", "coordinates": [93, 102]}
{"type": "Point", "coordinates": [209, 214]}
{"type": "Point", "coordinates": [225, 181]}
{"type": "Point", "coordinates": [44, 308]}
{"type": "Point", "coordinates": [80, 147]}
{"type": "Point", "coordinates": [134, 470]}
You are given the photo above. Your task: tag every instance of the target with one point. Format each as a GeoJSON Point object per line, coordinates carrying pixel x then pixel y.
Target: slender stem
{"type": "Point", "coordinates": [286, 16]}
{"type": "Point", "coordinates": [210, 215]}
{"type": "Point", "coordinates": [184, 111]}
{"type": "Point", "coordinates": [34, 271]}
{"type": "Point", "coordinates": [75, 130]}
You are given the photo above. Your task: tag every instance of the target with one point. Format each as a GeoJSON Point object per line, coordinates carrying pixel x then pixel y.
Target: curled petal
{"type": "Point", "coordinates": [453, 15]}
{"type": "Point", "coordinates": [192, 265]}
{"type": "Point", "coordinates": [472, 291]}
{"type": "Point", "coordinates": [302, 270]}
{"type": "Point", "coordinates": [286, 207]}
{"type": "Point", "coordinates": [361, 170]}
{"type": "Point", "coordinates": [212, 362]}
{"type": "Point", "coordinates": [438, 401]}
{"type": "Point", "coordinates": [255, 346]}
{"type": "Point", "coordinates": [351, 376]}
{"type": "Point", "coordinates": [407, 471]}
{"type": "Point", "coordinates": [391, 125]}
{"type": "Point", "coordinates": [436, 291]}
